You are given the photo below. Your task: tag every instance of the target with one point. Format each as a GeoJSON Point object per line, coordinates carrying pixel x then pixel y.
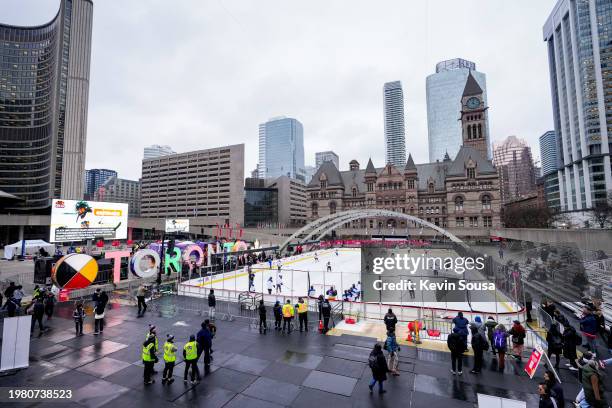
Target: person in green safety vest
{"type": "Point", "coordinates": [153, 332]}
{"type": "Point", "coordinates": [169, 359]}
{"type": "Point", "coordinates": [190, 353]}
{"type": "Point", "coordinates": [149, 358]}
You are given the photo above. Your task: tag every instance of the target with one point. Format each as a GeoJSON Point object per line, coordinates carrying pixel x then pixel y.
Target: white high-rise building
{"type": "Point", "coordinates": [444, 91]}
{"type": "Point", "coordinates": [321, 157]}
{"type": "Point", "coordinates": [157, 151]}
{"type": "Point", "coordinates": [578, 35]}
{"type": "Point", "coordinates": [395, 136]}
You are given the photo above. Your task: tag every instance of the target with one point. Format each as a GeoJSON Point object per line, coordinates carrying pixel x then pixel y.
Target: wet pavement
{"type": "Point", "coordinates": [252, 370]}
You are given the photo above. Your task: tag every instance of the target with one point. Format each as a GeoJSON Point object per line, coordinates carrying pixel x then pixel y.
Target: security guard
{"type": "Point", "coordinates": [303, 313]}
{"type": "Point", "coordinates": [190, 353]}
{"type": "Point", "coordinates": [169, 359]}
{"type": "Point", "coordinates": [149, 358]}
{"type": "Point", "coordinates": [153, 332]}
{"type": "Point", "coordinates": [288, 313]}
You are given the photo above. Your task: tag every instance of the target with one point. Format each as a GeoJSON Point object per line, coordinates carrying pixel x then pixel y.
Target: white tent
{"type": "Point", "coordinates": [31, 247]}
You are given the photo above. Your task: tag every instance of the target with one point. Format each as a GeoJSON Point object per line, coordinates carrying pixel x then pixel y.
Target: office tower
{"type": "Point", "coordinates": [579, 51]}
{"type": "Point", "coordinates": [157, 151]}
{"type": "Point", "coordinates": [44, 91]}
{"type": "Point", "coordinates": [309, 171]}
{"type": "Point", "coordinates": [281, 148]}
{"type": "Point", "coordinates": [94, 178]}
{"type": "Point", "coordinates": [321, 157]}
{"type": "Point", "coordinates": [549, 153]}
{"type": "Point", "coordinates": [395, 136]}
{"type": "Point", "coordinates": [117, 190]}
{"type": "Point", "coordinates": [514, 162]}
{"type": "Point", "coordinates": [203, 183]}
{"type": "Point", "coordinates": [444, 91]}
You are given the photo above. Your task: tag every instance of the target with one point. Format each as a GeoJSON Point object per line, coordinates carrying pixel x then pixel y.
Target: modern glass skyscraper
{"type": "Point", "coordinates": [44, 92]}
{"type": "Point", "coordinates": [157, 151]}
{"type": "Point", "coordinates": [444, 90]}
{"type": "Point", "coordinates": [321, 157]}
{"type": "Point", "coordinates": [395, 135]}
{"type": "Point", "coordinates": [94, 178]}
{"type": "Point", "coordinates": [514, 162]}
{"type": "Point", "coordinates": [281, 149]}
{"type": "Point", "coordinates": [578, 35]}
{"type": "Point", "coordinates": [549, 153]}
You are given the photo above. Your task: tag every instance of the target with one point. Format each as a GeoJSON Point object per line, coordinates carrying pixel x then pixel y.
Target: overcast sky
{"type": "Point", "coordinates": [196, 74]}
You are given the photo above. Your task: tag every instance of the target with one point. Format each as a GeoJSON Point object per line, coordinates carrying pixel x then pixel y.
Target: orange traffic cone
{"type": "Point", "coordinates": [320, 326]}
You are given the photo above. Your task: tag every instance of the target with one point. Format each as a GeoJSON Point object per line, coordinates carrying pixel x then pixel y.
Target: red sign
{"type": "Point", "coordinates": [533, 362]}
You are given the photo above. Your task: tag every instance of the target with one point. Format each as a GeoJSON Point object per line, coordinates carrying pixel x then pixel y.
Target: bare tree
{"type": "Point", "coordinates": [601, 213]}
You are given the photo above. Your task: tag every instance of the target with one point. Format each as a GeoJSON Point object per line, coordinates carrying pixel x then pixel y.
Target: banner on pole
{"type": "Point", "coordinates": [534, 361]}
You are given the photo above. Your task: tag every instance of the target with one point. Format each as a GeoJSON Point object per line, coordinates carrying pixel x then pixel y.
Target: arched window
{"type": "Point", "coordinates": [332, 207]}
{"type": "Point", "coordinates": [480, 131]}
{"type": "Point", "coordinates": [469, 131]}
{"type": "Point", "coordinates": [471, 172]}
{"type": "Point", "coordinates": [430, 187]}
{"type": "Point", "coordinates": [459, 204]}
{"type": "Point", "coordinates": [323, 184]}
{"type": "Point", "coordinates": [486, 202]}
{"type": "Point", "coordinates": [315, 209]}
{"type": "Point", "coordinates": [354, 192]}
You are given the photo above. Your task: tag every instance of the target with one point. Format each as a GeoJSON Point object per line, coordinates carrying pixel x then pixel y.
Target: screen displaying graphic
{"type": "Point", "coordinates": [177, 225]}
{"type": "Point", "coordinates": [73, 220]}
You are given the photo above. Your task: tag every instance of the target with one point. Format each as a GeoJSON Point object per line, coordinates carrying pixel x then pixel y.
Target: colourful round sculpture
{"type": "Point", "coordinates": [74, 271]}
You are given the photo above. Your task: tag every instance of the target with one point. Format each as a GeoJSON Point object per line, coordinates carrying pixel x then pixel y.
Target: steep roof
{"type": "Point", "coordinates": [370, 167]}
{"type": "Point", "coordinates": [471, 86]}
{"type": "Point", "coordinates": [334, 178]}
{"type": "Point", "coordinates": [410, 163]}
{"type": "Point", "coordinates": [483, 166]}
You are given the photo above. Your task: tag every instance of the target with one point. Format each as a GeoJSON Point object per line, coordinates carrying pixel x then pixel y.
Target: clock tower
{"type": "Point", "coordinates": [474, 117]}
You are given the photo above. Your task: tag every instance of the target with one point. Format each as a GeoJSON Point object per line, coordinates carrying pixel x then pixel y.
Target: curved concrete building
{"type": "Point", "coordinates": [44, 92]}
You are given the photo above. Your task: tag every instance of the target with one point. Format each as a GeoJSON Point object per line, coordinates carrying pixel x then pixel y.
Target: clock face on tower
{"type": "Point", "coordinates": [473, 103]}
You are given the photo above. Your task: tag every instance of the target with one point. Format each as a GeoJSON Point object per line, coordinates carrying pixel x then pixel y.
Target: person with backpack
{"type": "Point", "coordinates": [49, 301]}
{"type": "Point", "coordinates": [555, 343]}
{"type": "Point", "coordinates": [479, 345]}
{"type": "Point", "coordinates": [571, 339]}
{"type": "Point", "coordinates": [38, 312]}
{"type": "Point", "coordinates": [518, 339]}
{"type": "Point", "coordinates": [393, 349]}
{"type": "Point", "coordinates": [457, 347]}
{"type": "Point", "coordinates": [500, 343]}
{"type": "Point", "coordinates": [390, 320]}
{"type": "Point", "coordinates": [490, 326]}
{"type": "Point", "coordinates": [326, 314]}
{"type": "Point", "coordinates": [461, 324]}
{"type": "Point", "coordinates": [378, 365]}
{"type": "Point", "coordinates": [263, 326]}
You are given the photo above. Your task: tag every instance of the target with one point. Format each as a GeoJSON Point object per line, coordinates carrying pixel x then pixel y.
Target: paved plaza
{"type": "Point", "coordinates": [250, 369]}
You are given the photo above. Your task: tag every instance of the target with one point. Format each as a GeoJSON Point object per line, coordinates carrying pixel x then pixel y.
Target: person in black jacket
{"type": "Point", "coordinates": [212, 304]}
{"type": "Point", "coordinates": [555, 343]}
{"type": "Point", "coordinates": [457, 347]}
{"type": "Point", "coordinates": [479, 345]}
{"type": "Point", "coordinates": [326, 313]}
{"type": "Point", "coordinates": [378, 364]}
{"type": "Point", "coordinates": [262, 318]}
{"type": "Point", "coordinates": [38, 311]}
{"type": "Point", "coordinates": [545, 399]}
{"type": "Point", "coordinates": [278, 315]}
{"type": "Point", "coordinates": [554, 388]}
{"type": "Point", "coordinates": [570, 340]}
{"type": "Point", "coordinates": [390, 320]}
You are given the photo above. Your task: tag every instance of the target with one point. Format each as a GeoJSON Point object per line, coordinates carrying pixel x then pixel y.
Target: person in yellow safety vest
{"type": "Point", "coordinates": [288, 313]}
{"type": "Point", "coordinates": [169, 359]}
{"type": "Point", "coordinates": [153, 332]}
{"type": "Point", "coordinates": [190, 353]}
{"type": "Point", "coordinates": [303, 313]}
{"type": "Point", "coordinates": [149, 358]}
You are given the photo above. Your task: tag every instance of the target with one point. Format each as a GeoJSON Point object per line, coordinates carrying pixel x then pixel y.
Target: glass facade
{"type": "Point", "coordinates": [514, 162]}
{"type": "Point", "coordinates": [444, 91]}
{"type": "Point", "coordinates": [395, 135]}
{"type": "Point", "coordinates": [549, 152]}
{"type": "Point", "coordinates": [580, 58]}
{"type": "Point", "coordinates": [281, 149]}
{"type": "Point", "coordinates": [260, 207]}
{"type": "Point", "coordinates": [94, 178]}
{"type": "Point", "coordinates": [35, 71]}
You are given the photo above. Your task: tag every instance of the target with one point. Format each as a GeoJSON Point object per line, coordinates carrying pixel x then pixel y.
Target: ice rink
{"type": "Point", "coordinates": [297, 272]}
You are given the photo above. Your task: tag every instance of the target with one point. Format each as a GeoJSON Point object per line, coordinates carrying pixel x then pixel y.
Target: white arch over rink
{"type": "Point", "coordinates": [324, 225]}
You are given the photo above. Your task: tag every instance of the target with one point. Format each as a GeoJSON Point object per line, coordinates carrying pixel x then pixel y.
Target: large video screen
{"type": "Point", "coordinates": [177, 225]}
{"type": "Point", "coordinates": [73, 220]}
